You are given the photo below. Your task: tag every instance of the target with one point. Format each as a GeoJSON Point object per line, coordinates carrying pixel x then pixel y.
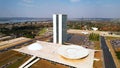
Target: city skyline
{"type": "Point", "coordinates": [73, 8]}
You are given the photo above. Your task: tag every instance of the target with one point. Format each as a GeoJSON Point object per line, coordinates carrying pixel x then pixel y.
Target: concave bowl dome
{"type": "Point", "coordinates": [35, 46]}
{"type": "Point", "coordinates": [73, 51]}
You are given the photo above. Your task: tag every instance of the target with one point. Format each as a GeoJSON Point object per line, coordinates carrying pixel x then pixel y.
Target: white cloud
{"type": "Point", "coordinates": [74, 0]}
{"type": "Point", "coordinates": [27, 1]}
{"type": "Point", "coordinates": [26, 5]}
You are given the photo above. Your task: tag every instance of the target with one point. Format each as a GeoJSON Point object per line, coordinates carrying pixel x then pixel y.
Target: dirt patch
{"type": "Point", "coordinates": [47, 64]}
{"type": "Point", "coordinates": [98, 64]}
{"type": "Point", "coordinates": [117, 49]}
{"type": "Point", "coordinates": [10, 57]}
{"type": "Point", "coordinates": [97, 45]}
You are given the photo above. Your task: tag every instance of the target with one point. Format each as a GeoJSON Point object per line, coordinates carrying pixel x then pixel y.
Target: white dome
{"type": "Point", "coordinates": [73, 51]}
{"type": "Point", "coordinates": [94, 28]}
{"type": "Point", "coordinates": [35, 46]}
{"type": "Point", "coordinates": [84, 32]}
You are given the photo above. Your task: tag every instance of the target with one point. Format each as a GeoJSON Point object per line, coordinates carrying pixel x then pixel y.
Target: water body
{"type": "Point", "coordinates": [22, 19]}
{"type": "Point", "coordinates": [26, 19]}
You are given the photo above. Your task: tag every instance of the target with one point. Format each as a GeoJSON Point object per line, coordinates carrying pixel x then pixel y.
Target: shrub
{"type": "Point", "coordinates": [118, 55]}
{"type": "Point", "coordinates": [94, 37]}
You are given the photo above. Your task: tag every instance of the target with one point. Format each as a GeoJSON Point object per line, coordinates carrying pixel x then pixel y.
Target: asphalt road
{"type": "Point", "coordinates": [108, 60]}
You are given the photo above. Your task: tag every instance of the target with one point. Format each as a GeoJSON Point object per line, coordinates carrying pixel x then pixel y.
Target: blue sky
{"type": "Point", "coordinates": [73, 8]}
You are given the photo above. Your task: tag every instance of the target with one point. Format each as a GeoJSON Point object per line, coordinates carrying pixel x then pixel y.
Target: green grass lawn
{"type": "Point", "coordinates": [42, 31]}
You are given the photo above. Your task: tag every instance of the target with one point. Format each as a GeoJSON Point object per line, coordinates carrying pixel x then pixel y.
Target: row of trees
{"type": "Point", "coordinates": [25, 31]}
{"type": "Point", "coordinates": [102, 26]}
{"type": "Point", "coordinates": [94, 37]}
{"type": "Point", "coordinates": [19, 31]}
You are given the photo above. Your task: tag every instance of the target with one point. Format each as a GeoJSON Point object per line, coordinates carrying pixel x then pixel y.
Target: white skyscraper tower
{"type": "Point", "coordinates": [59, 28]}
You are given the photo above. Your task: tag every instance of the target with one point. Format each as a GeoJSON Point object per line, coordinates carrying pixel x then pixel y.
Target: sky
{"type": "Point", "coordinates": [73, 8]}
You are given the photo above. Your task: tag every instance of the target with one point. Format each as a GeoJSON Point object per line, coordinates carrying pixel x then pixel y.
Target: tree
{"type": "Point", "coordinates": [94, 37]}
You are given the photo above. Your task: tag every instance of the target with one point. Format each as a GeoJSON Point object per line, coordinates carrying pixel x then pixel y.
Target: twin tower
{"type": "Point", "coordinates": [59, 28]}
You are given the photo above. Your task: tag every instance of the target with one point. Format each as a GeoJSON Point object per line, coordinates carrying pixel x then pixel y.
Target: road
{"type": "Point", "coordinates": [108, 60]}
{"type": "Point", "coordinates": [12, 47]}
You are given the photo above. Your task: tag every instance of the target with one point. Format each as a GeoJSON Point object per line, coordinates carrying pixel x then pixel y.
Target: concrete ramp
{"type": "Point", "coordinates": [31, 61]}
{"type": "Point", "coordinates": [27, 66]}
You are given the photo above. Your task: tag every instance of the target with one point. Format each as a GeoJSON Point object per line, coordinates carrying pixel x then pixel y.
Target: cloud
{"type": "Point", "coordinates": [74, 0]}
{"type": "Point", "coordinates": [27, 3]}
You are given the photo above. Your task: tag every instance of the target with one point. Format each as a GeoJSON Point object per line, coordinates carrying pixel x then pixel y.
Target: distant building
{"type": "Point", "coordinates": [94, 28]}
{"type": "Point", "coordinates": [59, 28]}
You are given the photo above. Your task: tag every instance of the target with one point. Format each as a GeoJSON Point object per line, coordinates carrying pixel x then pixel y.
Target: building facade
{"type": "Point", "coordinates": [59, 28]}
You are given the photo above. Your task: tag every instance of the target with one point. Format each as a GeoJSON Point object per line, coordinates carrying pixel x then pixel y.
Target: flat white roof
{"type": "Point", "coordinates": [49, 52]}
